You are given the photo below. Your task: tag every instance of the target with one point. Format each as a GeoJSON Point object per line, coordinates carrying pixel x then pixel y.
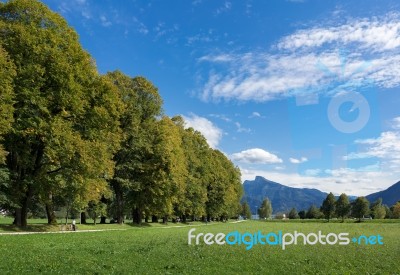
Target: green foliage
{"type": "Point", "coordinates": [65, 127]}
{"type": "Point", "coordinates": [396, 211]}
{"type": "Point", "coordinates": [328, 206]}
{"type": "Point", "coordinates": [314, 213]}
{"type": "Point", "coordinates": [378, 210]}
{"type": "Point", "coordinates": [293, 214]}
{"type": "Point", "coordinates": [265, 211]}
{"type": "Point", "coordinates": [246, 212]}
{"type": "Point", "coordinates": [75, 137]}
{"type": "Point", "coordinates": [7, 73]}
{"type": "Point", "coordinates": [360, 208]}
{"type": "Point", "coordinates": [96, 209]}
{"type": "Point", "coordinates": [343, 206]}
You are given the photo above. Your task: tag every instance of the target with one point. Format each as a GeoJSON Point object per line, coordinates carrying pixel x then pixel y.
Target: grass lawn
{"type": "Point", "coordinates": [160, 250]}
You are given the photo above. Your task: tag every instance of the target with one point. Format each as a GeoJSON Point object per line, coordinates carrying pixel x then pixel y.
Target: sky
{"type": "Point", "coordinates": [301, 92]}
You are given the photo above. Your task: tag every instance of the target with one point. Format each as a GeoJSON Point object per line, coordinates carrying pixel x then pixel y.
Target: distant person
{"type": "Point", "coordinates": [74, 225]}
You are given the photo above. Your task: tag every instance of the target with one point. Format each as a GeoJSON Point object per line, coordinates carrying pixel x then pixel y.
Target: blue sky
{"type": "Point", "coordinates": [301, 92]}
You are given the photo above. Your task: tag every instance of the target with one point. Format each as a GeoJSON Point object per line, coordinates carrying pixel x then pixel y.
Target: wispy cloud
{"type": "Point", "coordinates": [385, 147]}
{"type": "Point", "coordinates": [309, 61]}
{"type": "Point", "coordinates": [224, 8]}
{"type": "Point", "coordinates": [241, 129]}
{"type": "Point", "coordinates": [298, 161]}
{"type": "Point", "coordinates": [104, 21]}
{"type": "Point", "coordinates": [256, 155]}
{"type": "Point", "coordinates": [210, 131]}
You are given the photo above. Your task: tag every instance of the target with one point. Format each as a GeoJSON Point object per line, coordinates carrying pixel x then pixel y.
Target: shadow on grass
{"type": "Point", "coordinates": [29, 228]}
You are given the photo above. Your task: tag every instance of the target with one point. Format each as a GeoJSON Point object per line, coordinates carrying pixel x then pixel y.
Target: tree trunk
{"type": "Point", "coordinates": [137, 215]}
{"type": "Point", "coordinates": [146, 219]}
{"type": "Point", "coordinates": [51, 216]}
{"type": "Point", "coordinates": [17, 217]}
{"type": "Point", "coordinates": [83, 218]}
{"type": "Point", "coordinates": [184, 218]}
{"type": "Point", "coordinates": [154, 219]}
{"type": "Point", "coordinates": [103, 220]}
{"type": "Point", "coordinates": [119, 199]}
{"type": "Point", "coordinates": [165, 220]}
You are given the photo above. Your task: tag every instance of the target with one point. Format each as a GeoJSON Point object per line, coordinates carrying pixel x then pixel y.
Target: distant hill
{"type": "Point", "coordinates": [283, 198]}
{"type": "Point", "coordinates": [389, 196]}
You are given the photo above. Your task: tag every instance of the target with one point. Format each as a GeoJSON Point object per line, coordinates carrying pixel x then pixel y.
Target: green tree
{"type": "Point", "coordinates": [197, 154]}
{"type": "Point", "coordinates": [396, 211]}
{"type": "Point", "coordinates": [360, 208]}
{"type": "Point", "coordinates": [265, 210]}
{"type": "Point", "coordinates": [293, 214]}
{"type": "Point", "coordinates": [302, 214]}
{"type": "Point", "coordinates": [246, 212]}
{"type": "Point", "coordinates": [65, 127]}
{"type": "Point", "coordinates": [313, 213]}
{"type": "Point", "coordinates": [378, 210]}
{"type": "Point", "coordinates": [388, 214]}
{"type": "Point", "coordinates": [96, 209]}
{"type": "Point", "coordinates": [343, 206]}
{"type": "Point", "coordinates": [7, 74]}
{"type": "Point", "coordinates": [328, 206]}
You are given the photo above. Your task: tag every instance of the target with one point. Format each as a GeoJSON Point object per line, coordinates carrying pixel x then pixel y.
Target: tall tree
{"type": "Point", "coordinates": [65, 127]}
{"type": "Point", "coordinates": [197, 154]}
{"type": "Point", "coordinates": [328, 206]}
{"type": "Point", "coordinates": [265, 210]}
{"type": "Point", "coordinates": [313, 213]}
{"type": "Point", "coordinates": [396, 210]}
{"type": "Point", "coordinates": [378, 210]}
{"type": "Point", "coordinates": [343, 206]}
{"type": "Point", "coordinates": [246, 212]}
{"type": "Point", "coordinates": [360, 208]}
{"type": "Point", "coordinates": [293, 214]}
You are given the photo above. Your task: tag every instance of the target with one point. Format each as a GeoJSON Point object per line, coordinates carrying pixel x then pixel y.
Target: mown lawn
{"type": "Point", "coordinates": [159, 250]}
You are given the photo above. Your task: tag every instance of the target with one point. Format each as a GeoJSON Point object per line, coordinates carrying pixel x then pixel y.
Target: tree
{"type": "Point", "coordinates": [246, 212]}
{"type": "Point", "coordinates": [142, 104]}
{"type": "Point", "coordinates": [388, 214]}
{"type": "Point", "coordinates": [65, 127]}
{"type": "Point", "coordinates": [7, 74]}
{"type": "Point", "coordinates": [396, 211]}
{"type": "Point", "coordinates": [343, 206]}
{"type": "Point", "coordinates": [313, 213]}
{"type": "Point", "coordinates": [96, 209]}
{"type": "Point", "coordinates": [302, 214]}
{"type": "Point", "coordinates": [265, 210]}
{"type": "Point", "coordinates": [328, 206]}
{"type": "Point", "coordinates": [360, 208]}
{"type": "Point", "coordinates": [378, 210]}
{"type": "Point", "coordinates": [293, 214]}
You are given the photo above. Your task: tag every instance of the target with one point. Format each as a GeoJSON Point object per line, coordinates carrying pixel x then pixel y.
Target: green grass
{"type": "Point", "coordinates": [159, 250]}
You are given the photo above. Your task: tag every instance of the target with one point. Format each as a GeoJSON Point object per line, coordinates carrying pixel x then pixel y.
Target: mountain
{"type": "Point", "coordinates": [389, 196]}
{"type": "Point", "coordinates": [283, 198]}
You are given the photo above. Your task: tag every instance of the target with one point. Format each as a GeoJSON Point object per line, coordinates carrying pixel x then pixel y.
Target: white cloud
{"type": "Point", "coordinates": [386, 148]}
{"type": "Point", "coordinates": [256, 155]}
{"type": "Point", "coordinates": [211, 132]}
{"type": "Point", "coordinates": [378, 34]}
{"type": "Point", "coordinates": [256, 115]}
{"type": "Point", "coordinates": [297, 161]}
{"type": "Point", "coordinates": [308, 62]}
{"type": "Point", "coordinates": [396, 123]}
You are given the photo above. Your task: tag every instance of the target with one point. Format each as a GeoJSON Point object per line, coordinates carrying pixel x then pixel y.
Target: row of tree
{"type": "Point", "coordinates": [73, 138]}
{"type": "Point", "coordinates": [332, 208]}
